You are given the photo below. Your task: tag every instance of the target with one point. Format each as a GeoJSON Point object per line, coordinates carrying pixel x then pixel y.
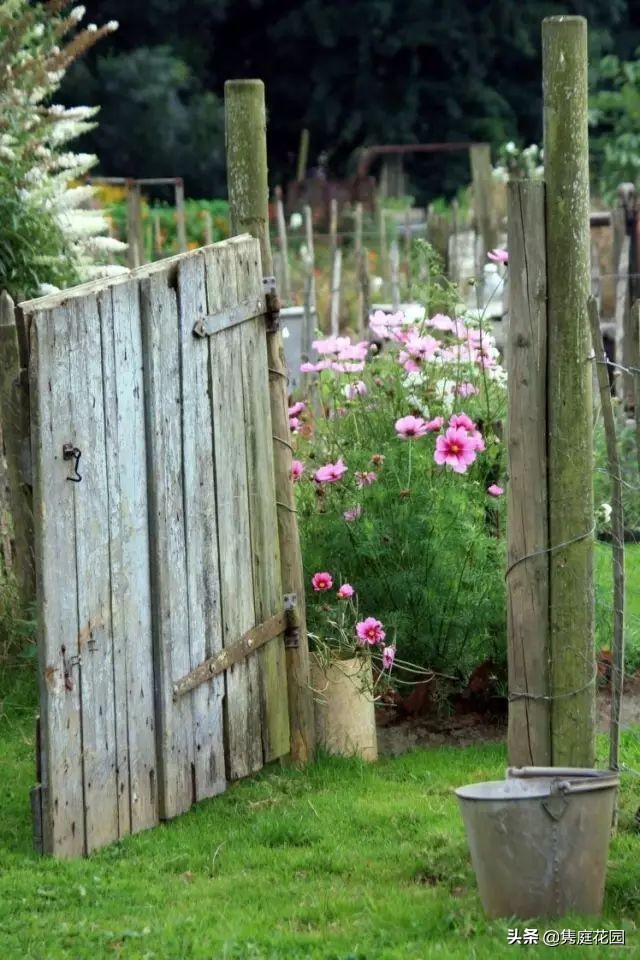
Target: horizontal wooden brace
{"type": "Point", "coordinates": [216, 322]}
{"type": "Point", "coordinates": [251, 641]}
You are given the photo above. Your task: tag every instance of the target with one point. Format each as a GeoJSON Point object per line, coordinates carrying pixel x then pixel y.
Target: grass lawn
{"type": "Point", "coordinates": [342, 861]}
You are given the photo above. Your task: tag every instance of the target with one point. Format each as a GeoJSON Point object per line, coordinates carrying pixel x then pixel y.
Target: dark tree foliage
{"type": "Point", "coordinates": [354, 72]}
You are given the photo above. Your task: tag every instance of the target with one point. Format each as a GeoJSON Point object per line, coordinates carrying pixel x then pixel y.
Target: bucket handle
{"type": "Point", "coordinates": [570, 782]}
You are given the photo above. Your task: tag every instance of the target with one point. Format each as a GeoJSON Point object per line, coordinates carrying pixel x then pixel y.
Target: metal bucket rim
{"type": "Point", "coordinates": [531, 788]}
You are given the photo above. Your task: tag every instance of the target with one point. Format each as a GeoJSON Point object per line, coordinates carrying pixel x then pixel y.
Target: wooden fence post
{"type": "Point", "coordinates": [14, 410]}
{"type": "Point", "coordinates": [208, 227]}
{"type": "Point", "coordinates": [569, 392]}
{"type": "Point", "coordinates": [382, 240]}
{"type": "Point", "coordinates": [482, 180]}
{"type": "Point", "coordinates": [394, 273]}
{"type": "Point", "coordinates": [336, 279]}
{"type": "Point", "coordinates": [285, 290]}
{"type": "Point", "coordinates": [303, 155]}
{"type": "Point", "coordinates": [246, 147]}
{"type": "Point", "coordinates": [308, 232]}
{"type": "Point", "coordinates": [365, 290]}
{"type": "Point", "coordinates": [529, 732]}
{"type": "Point", "coordinates": [333, 230]}
{"type": "Point", "coordinates": [134, 253]}
{"type": "Point", "coordinates": [357, 250]}
{"type": "Point", "coordinates": [181, 218]}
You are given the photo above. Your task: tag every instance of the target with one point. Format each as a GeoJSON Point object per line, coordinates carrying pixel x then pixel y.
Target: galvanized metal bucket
{"type": "Point", "coordinates": [539, 840]}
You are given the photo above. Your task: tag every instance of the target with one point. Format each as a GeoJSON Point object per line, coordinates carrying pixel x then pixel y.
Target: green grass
{"type": "Point", "coordinates": [342, 861]}
{"type": "Point", "coordinates": [604, 601]}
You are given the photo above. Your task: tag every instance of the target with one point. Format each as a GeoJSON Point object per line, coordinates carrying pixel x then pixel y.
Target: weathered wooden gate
{"type": "Point", "coordinates": [160, 610]}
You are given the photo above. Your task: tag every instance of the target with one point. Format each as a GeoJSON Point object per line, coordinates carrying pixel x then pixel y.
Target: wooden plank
{"type": "Point", "coordinates": [252, 640]}
{"type": "Point", "coordinates": [527, 509]}
{"type": "Point", "coordinates": [621, 312]}
{"type": "Point", "coordinates": [336, 275]}
{"type": "Point", "coordinates": [203, 583]}
{"type": "Point", "coordinates": [56, 608]}
{"type": "Point", "coordinates": [129, 555]}
{"type": "Point", "coordinates": [94, 643]}
{"type": "Point", "coordinates": [265, 547]}
{"type": "Point", "coordinates": [242, 721]}
{"type": "Point", "coordinates": [170, 606]}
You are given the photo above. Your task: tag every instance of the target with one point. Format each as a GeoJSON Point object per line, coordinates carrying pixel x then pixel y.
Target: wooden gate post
{"type": "Point", "coordinates": [529, 733]}
{"type": "Point", "coordinates": [247, 183]}
{"type": "Point", "coordinates": [482, 179]}
{"type": "Point", "coordinates": [14, 410]}
{"type": "Point", "coordinates": [569, 392]}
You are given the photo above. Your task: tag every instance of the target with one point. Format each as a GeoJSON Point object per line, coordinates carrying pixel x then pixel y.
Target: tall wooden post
{"type": "Point", "coordinates": [134, 251]}
{"type": "Point", "coordinates": [283, 244]}
{"type": "Point", "coordinates": [14, 410]}
{"type": "Point", "coordinates": [529, 732]}
{"type": "Point", "coordinates": [394, 273]}
{"type": "Point", "coordinates": [208, 227]}
{"type": "Point", "coordinates": [569, 392]}
{"type": "Point", "coordinates": [246, 147]}
{"type": "Point", "coordinates": [482, 180]}
{"type": "Point", "coordinates": [308, 233]}
{"type": "Point", "coordinates": [181, 218]}
{"type": "Point", "coordinates": [357, 250]}
{"type": "Point", "coordinates": [303, 155]}
{"type": "Point", "coordinates": [336, 280]}
{"type": "Point", "coordinates": [382, 239]}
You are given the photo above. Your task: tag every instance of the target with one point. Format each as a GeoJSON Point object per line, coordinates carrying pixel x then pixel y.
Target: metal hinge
{"type": "Point", "coordinates": [272, 301]}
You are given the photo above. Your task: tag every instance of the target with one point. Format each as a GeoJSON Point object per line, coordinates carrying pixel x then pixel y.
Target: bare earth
{"type": "Point", "coordinates": [396, 737]}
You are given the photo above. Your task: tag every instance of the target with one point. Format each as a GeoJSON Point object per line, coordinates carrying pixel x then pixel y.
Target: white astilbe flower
{"type": "Point", "coordinates": [102, 271]}
{"type": "Point", "coordinates": [106, 245]}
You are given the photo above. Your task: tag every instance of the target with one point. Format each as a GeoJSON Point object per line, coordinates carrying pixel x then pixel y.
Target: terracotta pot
{"type": "Point", "coordinates": [344, 710]}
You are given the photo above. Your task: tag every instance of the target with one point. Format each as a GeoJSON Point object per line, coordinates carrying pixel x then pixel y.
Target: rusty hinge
{"type": "Point", "coordinates": [281, 623]}
{"type": "Point", "coordinates": [212, 323]}
{"type": "Point", "coordinates": [272, 301]}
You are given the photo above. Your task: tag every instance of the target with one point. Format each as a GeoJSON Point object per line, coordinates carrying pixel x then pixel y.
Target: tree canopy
{"type": "Point", "coordinates": [354, 72]}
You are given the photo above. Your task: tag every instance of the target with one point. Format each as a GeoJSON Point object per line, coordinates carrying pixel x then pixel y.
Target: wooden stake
{"type": "Point", "coordinates": [635, 315]}
{"type": "Point", "coordinates": [181, 222]}
{"type": "Point", "coordinates": [246, 146]}
{"type": "Point", "coordinates": [157, 235]}
{"type": "Point", "coordinates": [365, 290]}
{"type": "Point", "coordinates": [482, 179]}
{"type": "Point", "coordinates": [394, 273]}
{"type": "Point", "coordinates": [569, 392]}
{"type": "Point", "coordinates": [617, 538]}
{"type": "Point", "coordinates": [303, 155]}
{"type": "Point", "coordinates": [357, 250]}
{"type": "Point", "coordinates": [14, 411]}
{"type": "Point", "coordinates": [336, 276]}
{"type": "Point", "coordinates": [308, 231]}
{"type": "Point", "coordinates": [333, 229]}
{"type": "Point", "coordinates": [382, 241]}
{"type": "Point", "coordinates": [134, 254]}
{"type": "Point", "coordinates": [208, 227]}
{"type": "Point", "coordinates": [285, 291]}
{"type": "Point", "coordinates": [529, 732]}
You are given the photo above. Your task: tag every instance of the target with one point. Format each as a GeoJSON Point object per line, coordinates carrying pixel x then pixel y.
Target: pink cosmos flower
{"type": "Point", "coordinates": [307, 367]}
{"type": "Point", "coordinates": [346, 591]}
{"type": "Point", "coordinates": [297, 469]}
{"type": "Point", "coordinates": [434, 425]}
{"type": "Point", "coordinates": [494, 490]}
{"type": "Point", "coordinates": [478, 442]}
{"type": "Point", "coordinates": [455, 448]}
{"type": "Point", "coordinates": [297, 408]}
{"type": "Point", "coordinates": [388, 656]}
{"type": "Point", "coordinates": [461, 420]}
{"type": "Point", "coordinates": [322, 581]}
{"type": "Point", "coordinates": [353, 514]}
{"type": "Point", "coordinates": [441, 322]}
{"type": "Point", "coordinates": [498, 256]}
{"type": "Point", "coordinates": [331, 472]}
{"type": "Point", "coordinates": [357, 389]}
{"type": "Point", "coordinates": [370, 632]}
{"type": "Point", "coordinates": [364, 479]}
{"type": "Point", "coordinates": [294, 424]}
{"type": "Point", "coordinates": [466, 390]}
{"type": "Point", "coordinates": [410, 428]}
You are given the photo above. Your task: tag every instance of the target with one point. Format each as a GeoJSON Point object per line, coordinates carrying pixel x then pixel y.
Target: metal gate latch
{"type": "Point", "coordinates": [70, 452]}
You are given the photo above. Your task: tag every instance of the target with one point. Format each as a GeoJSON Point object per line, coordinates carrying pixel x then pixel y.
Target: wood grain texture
{"type": "Point", "coordinates": [129, 549]}
{"type": "Point", "coordinates": [56, 609]}
{"type": "Point", "coordinates": [169, 587]}
{"type": "Point", "coordinates": [527, 508]}
{"type": "Point", "coordinates": [242, 712]}
{"type": "Point", "coordinates": [201, 540]}
{"type": "Point", "coordinates": [265, 548]}
{"type": "Point", "coordinates": [91, 518]}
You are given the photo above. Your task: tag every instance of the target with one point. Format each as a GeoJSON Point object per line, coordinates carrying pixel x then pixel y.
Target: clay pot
{"type": "Point", "coordinates": [344, 709]}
